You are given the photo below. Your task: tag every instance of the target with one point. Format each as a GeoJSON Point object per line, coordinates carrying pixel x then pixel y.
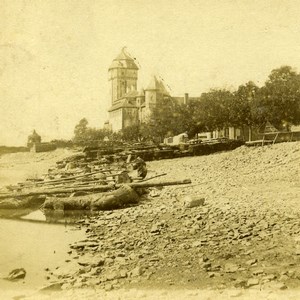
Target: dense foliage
{"type": "Point", "coordinates": [88, 136]}
{"type": "Point", "coordinates": [278, 102]}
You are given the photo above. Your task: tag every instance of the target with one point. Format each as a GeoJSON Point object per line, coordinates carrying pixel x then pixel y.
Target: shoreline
{"type": "Point", "coordinates": [244, 237]}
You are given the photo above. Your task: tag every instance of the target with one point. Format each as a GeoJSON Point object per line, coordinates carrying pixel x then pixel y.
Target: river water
{"type": "Point", "coordinates": [30, 239]}
{"type": "Point", "coordinates": [33, 243]}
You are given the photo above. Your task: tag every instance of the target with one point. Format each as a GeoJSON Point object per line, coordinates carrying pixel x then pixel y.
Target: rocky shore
{"type": "Point", "coordinates": [246, 235]}
{"type": "Point", "coordinates": [242, 240]}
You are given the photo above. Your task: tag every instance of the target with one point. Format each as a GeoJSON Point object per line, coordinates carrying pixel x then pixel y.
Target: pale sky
{"type": "Point", "coordinates": [54, 54]}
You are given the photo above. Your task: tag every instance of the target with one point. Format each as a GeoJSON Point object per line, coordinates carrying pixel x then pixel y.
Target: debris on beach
{"type": "Point", "coordinates": [87, 181]}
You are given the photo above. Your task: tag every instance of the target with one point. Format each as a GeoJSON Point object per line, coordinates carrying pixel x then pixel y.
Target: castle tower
{"type": "Point", "coordinates": [123, 74]}
{"type": "Point", "coordinates": [155, 92]}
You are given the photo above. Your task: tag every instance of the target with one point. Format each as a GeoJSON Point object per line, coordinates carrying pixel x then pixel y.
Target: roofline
{"type": "Point", "coordinates": [123, 106]}
{"type": "Point", "coordinates": [136, 68]}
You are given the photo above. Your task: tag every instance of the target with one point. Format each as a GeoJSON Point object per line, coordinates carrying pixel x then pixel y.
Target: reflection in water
{"type": "Point", "coordinates": [48, 216]}
{"type": "Point", "coordinates": [14, 213]}
{"type": "Point", "coordinates": [66, 216]}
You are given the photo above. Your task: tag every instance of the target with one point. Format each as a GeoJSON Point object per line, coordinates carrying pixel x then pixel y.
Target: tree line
{"type": "Point", "coordinates": [277, 101]}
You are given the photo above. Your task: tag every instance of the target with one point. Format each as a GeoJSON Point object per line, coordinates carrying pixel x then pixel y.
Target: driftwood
{"type": "Point", "coordinates": [122, 197]}
{"type": "Point", "coordinates": [73, 178]}
{"type": "Point", "coordinates": [99, 188]}
{"type": "Point", "coordinates": [95, 188]}
{"type": "Point", "coordinates": [150, 178]}
{"type": "Point", "coordinates": [157, 184]}
{"type": "Point", "coordinates": [12, 203]}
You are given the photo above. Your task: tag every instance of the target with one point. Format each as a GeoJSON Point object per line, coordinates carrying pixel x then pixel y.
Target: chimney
{"type": "Point", "coordinates": [186, 98]}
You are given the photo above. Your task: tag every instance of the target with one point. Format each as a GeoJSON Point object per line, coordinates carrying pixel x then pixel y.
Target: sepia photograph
{"type": "Point", "coordinates": [149, 149]}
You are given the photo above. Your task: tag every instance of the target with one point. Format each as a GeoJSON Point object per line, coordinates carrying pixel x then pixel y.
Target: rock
{"type": "Point", "coordinates": [297, 240]}
{"type": "Point", "coordinates": [108, 287]}
{"type": "Point", "coordinates": [84, 270]}
{"type": "Point", "coordinates": [196, 244]}
{"type": "Point", "coordinates": [278, 286]}
{"type": "Point", "coordinates": [206, 265]}
{"type": "Point", "coordinates": [251, 262]}
{"type": "Point", "coordinates": [283, 278]}
{"type": "Point", "coordinates": [123, 274]}
{"type": "Point", "coordinates": [291, 273]}
{"type": "Point", "coordinates": [16, 274]}
{"type": "Point", "coordinates": [203, 259]}
{"type": "Point", "coordinates": [231, 268]}
{"type": "Point", "coordinates": [240, 283]}
{"type": "Point", "coordinates": [258, 272]}
{"type": "Point", "coordinates": [193, 201]}
{"type": "Point", "coordinates": [252, 282]}
{"type": "Point", "coordinates": [137, 271]}
{"type": "Point", "coordinates": [215, 268]}
{"type": "Point", "coordinates": [112, 275]}
{"type": "Point", "coordinates": [155, 229]}
{"type": "Point", "coordinates": [269, 277]}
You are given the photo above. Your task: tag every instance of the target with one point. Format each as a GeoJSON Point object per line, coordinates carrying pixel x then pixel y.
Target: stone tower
{"type": "Point", "coordinates": [123, 74]}
{"type": "Point", "coordinates": [155, 93]}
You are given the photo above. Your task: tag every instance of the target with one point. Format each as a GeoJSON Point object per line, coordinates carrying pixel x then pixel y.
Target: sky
{"type": "Point", "coordinates": [55, 54]}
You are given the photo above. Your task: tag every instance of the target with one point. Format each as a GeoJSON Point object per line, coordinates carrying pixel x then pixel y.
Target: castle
{"type": "Point", "coordinates": [128, 105]}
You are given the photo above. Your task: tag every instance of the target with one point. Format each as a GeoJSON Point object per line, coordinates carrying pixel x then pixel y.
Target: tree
{"type": "Point", "coordinates": [164, 121]}
{"type": "Point", "coordinates": [80, 131]}
{"type": "Point", "coordinates": [281, 97]}
{"type": "Point", "coordinates": [190, 118]}
{"type": "Point", "coordinates": [243, 107]}
{"type": "Point", "coordinates": [246, 108]}
{"type": "Point", "coordinates": [84, 135]}
{"type": "Point", "coordinates": [131, 133]}
{"type": "Point", "coordinates": [215, 109]}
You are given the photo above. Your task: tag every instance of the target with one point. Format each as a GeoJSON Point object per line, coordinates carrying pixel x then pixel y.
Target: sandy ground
{"type": "Point", "coordinates": [243, 243]}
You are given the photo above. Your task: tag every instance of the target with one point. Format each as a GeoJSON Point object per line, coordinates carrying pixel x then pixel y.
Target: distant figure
{"type": "Point", "coordinates": [140, 166]}
{"type": "Point", "coordinates": [34, 138]}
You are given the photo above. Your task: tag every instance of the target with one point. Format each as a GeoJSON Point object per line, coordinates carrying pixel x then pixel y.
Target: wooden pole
{"type": "Point", "coordinates": [96, 188]}
{"type": "Point", "coordinates": [72, 178]}
{"type": "Point", "coordinates": [159, 175]}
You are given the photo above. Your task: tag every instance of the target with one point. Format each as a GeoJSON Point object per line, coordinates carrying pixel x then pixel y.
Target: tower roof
{"type": "Point", "coordinates": [157, 85]}
{"type": "Point", "coordinates": [123, 60]}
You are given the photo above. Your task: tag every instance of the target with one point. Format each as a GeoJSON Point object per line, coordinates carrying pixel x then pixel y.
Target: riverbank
{"type": "Point", "coordinates": [243, 242]}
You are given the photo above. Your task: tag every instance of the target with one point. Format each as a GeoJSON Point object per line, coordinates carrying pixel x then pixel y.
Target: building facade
{"type": "Point", "coordinates": [128, 105]}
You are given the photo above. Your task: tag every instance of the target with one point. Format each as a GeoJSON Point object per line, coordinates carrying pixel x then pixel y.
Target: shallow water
{"type": "Point", "coordinates": [34, 245]}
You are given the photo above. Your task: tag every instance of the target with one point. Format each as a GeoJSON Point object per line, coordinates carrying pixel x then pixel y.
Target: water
{"type": "Point", "coordinates": [30, 240]}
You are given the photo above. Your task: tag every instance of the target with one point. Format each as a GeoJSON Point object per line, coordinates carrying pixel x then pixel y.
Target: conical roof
{"type": "Point", "coordinates": [123, 60]}
{"type": "Point", "coordinates": [34, 134]}
{"type": "Point", "coordinates": [157, 85]}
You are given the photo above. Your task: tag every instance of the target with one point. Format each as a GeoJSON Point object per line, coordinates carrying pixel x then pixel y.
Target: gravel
{"type": "Point", "coordinates": [243, 233]}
